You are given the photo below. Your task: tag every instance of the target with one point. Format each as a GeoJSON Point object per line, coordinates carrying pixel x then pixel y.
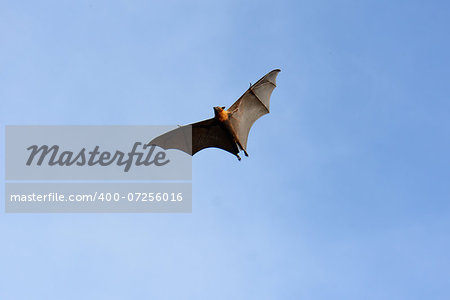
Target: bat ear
{"type": "Point", "coordinates": [223, 107]}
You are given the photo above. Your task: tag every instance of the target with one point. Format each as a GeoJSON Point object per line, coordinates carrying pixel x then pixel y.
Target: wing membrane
{"type": "Point", "coordinates": [252, 105]}
{"type": "Point", "coordinates": [195, 137]}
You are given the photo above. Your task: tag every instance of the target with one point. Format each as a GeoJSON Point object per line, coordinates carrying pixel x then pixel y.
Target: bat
{"type": "Point", "coordinates": [229, 129]}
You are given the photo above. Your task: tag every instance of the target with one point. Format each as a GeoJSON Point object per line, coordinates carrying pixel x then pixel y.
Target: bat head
{"type": "Point", "coordinates": [218, 109]}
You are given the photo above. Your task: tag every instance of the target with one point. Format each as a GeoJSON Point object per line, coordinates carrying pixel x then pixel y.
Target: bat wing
{"type": "Point", "coordinates": [252, 105]}
{"type": "Point", "coordinates": [195, 137]}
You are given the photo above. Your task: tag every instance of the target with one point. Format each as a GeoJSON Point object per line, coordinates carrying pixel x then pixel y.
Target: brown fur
{"type": "Point", "coordinates": [223, 115]}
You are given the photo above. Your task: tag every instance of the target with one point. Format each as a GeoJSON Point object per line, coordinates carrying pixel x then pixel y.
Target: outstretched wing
{"type": "Point", "coordinates": [253, 104]}
{"type": "Point", "coordinates": [195, 137]}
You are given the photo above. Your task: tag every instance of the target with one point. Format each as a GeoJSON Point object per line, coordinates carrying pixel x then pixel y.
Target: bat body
{"type": "Point", "coordinates": [229, 129]}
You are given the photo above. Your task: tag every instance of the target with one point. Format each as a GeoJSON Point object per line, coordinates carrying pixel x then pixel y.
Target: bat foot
{"type": "Point", "coordinates": [245, 152]}
{"type": "Point", "coordinates": [238, 157]}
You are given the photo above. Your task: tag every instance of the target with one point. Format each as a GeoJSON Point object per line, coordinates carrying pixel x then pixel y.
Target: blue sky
{"type": "Point", "coordinates": [346, 191]}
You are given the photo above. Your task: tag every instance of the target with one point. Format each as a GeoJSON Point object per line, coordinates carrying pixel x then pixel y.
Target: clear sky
{"type": "Point", "coordinates": [346, 191]}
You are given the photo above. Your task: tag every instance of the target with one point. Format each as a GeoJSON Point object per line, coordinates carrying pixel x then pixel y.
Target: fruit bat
{"type": "Point", "coordinates": [229, 129]}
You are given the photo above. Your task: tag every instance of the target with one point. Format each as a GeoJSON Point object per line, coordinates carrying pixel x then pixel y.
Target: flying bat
{"type": "Point", "coordinates": [229, 129]}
